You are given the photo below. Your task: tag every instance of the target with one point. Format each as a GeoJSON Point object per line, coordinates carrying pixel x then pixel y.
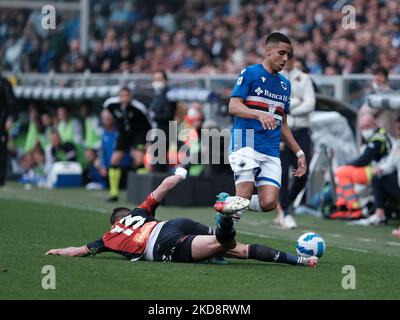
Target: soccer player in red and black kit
{"type": "Point", "coordinates": [133, 125]}
{"type": "Point", "coordinates": [136, 234]}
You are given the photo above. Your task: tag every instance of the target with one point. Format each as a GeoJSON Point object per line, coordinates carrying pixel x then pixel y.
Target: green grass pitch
{"type": "Point", "coordinates": [33, 221]}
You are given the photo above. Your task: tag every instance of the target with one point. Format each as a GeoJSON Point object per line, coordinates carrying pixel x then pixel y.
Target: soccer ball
{"type": "Point", "coordinates": [310, 244]}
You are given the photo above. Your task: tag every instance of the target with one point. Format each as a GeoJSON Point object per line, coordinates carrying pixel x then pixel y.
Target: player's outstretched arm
{"type": "Point", "coordinates": [69, 252]}
{"type": "Point", "coordinates": [169, 183]}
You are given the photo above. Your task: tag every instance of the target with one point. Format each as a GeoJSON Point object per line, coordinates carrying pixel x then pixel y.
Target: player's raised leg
{"type": "Point", "coordinates": [268, 196]}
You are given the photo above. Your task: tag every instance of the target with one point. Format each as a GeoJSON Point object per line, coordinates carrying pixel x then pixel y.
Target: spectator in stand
{"type": "Point", "coordinates": [315, 27]}
{"type": "Point", "coordinates": [380, 85]}
{"type": "Point", "coordinates": [34, 127]}
{"type": "Point", "coordinates": [358, 171]}
{"type": "Point", "coordinates": [162, 111]}
{"type": "Point", "coordinates": [59, 151]}
{"type": "Point", "coordinates": [69, 129]}
{"type": "Point", "coordinates": [46, 121]}
{"type": "Point", "coordinates": [386, 183]}
{"type": "Point", "coordinates": [92, 129]}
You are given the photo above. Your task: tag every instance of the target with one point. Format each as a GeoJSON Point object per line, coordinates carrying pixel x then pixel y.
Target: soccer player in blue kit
{"type": "Point", "coordinates": [259, 103]}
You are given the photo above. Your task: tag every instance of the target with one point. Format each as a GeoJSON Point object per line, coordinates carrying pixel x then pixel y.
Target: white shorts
{"type": "Point", "coordinates": [250, 165]}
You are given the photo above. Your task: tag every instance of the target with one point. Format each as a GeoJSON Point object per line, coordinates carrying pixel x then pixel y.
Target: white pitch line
{"type": "Point", "coordinates": [390, 243]}
{"type": "Point", "coordinates": [60, 204]}
{"type": "Point", "coordinates": [255, 234]}
{"type": "Point", "coordinates": [353, 249]}
{"type": "Point", "coordinates": [366, 239]}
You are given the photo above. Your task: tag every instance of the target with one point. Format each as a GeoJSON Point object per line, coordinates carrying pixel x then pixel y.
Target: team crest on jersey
{"type": "Point", "coordinates": [263, 79]}
{"type": "Point", "coordinates": [242, 164]}
{"type": "Point", "coordinates": [284, 86]}
{"type": "Point", "coordinates": [258, 91]}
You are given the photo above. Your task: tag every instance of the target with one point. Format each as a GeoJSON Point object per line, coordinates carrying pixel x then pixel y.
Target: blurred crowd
{"type": "Point", "coordinates": [203, 36]}
{"type": "Point", "coordinates": [41, 137]}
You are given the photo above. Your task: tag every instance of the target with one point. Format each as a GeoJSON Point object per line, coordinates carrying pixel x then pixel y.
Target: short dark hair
{"type": "Point", "coordinates": [125, 88]}
{"type": "Point", "coordinates": [380, 70]}
{"type": "Point", "coordinates": [118, 213]}
{"type": "Point", "coordinates": [276, 37]}
{"type": "Point", "coordinates": [164, 74]}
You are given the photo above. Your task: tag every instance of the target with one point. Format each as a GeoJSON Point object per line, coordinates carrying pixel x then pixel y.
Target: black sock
{"type": "Point", "coordinates": [225, 232]}
{"type": "Point", "coordinates": [262, 253]}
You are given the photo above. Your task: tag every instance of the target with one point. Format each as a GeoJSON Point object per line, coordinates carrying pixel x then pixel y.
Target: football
{"type": "Point", "coordinates": [310, 244]}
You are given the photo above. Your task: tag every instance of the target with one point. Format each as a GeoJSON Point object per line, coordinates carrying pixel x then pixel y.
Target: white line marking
{"type": "Point", "coordinates": [390, 243]}
{"type": "Point", "coordinates": [60, 204]}
{"type": "Point", "coordinates": [353, 249]}
{"type": "Point", "coordinates": [366, 239]}
{"type": "Point", "coordinates": [255, 234]}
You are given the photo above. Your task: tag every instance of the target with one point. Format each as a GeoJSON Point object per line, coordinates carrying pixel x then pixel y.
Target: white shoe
{"type": "Point", "coordinates": [373, 220]}
{"type": "Point", "coordinates": [289, 222]}
{"type": "Point", "coordinates": [308, 262]}
{"type": "Point", "coordinates": [235, 204]}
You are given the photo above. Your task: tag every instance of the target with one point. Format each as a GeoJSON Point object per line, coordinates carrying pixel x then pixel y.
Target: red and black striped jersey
{"type": "Point", "coordinates": [129, 236]}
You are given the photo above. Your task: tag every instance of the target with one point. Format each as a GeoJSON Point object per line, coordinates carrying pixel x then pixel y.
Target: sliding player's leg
{"type": "Point", "coordinates": [207, 247]}
{"type": "Point", "coordinates": [266, 254]}
{"type": "Point", "coordinates": [177, 238]}
{"type": "Point", "coordinates": [234, 205]}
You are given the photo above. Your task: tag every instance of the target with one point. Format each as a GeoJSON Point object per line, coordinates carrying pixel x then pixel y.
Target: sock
{"type": "Point", "coordinates": [255, 204]}
{"type": "Point", "coordinates": [225, 232]}
{"type": "Point", "coordinates": [114, 176]}
{"type": "Point", "coordinates": [236, 217]}
{"type": "Point", "coordinates": [262, 253]}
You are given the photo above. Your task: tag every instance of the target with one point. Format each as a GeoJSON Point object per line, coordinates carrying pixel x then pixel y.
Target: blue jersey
{"type": "Point", "coordinates": [266, 92]}
{"type": "Point", "coordinates": [108, 141]}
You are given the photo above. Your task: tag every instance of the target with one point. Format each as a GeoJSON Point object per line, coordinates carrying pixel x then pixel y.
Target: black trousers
{"type": "Point", "coordinates": [3, 157]}
{"type": "Point", "coordinates": [289, 159]}
{"type": "Point", "coordinates": [385, 188]}
{"type": "Point", "coordinates": [162, 167]}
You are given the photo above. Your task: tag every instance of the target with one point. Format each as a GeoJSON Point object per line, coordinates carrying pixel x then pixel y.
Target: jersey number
{"type": "Point", "coordinates": [133, 222]}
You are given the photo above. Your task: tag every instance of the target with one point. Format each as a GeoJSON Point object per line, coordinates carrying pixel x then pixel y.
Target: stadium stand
{"type": "Point", "coordinates": [202, 37]}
